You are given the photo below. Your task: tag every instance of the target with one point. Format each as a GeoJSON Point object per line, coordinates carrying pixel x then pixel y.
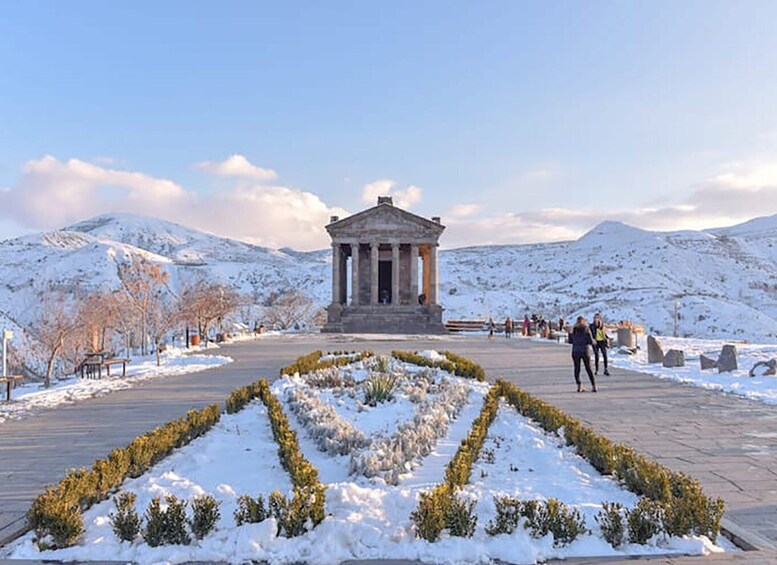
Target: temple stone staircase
{"type": "Point", "coordinates": [388, 319]}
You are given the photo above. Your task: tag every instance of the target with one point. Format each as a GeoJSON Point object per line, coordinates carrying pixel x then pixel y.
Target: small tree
{"type": "Point", "coordinates": [142, 281]}
{"type": "Point", "coordinates": [54, 328]}
{"type": "Point", "coordinates": [162, 317]}
{"type": "Point", "coordinates": [289, 309]}
{"type": "Point", "coordinates": [202, 303]}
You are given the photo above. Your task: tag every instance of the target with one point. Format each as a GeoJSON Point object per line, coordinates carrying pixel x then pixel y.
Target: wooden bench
{"type": "Point", "coordinates": [92, 366]}
{"type": "Point", "coordinates": [10, 381]}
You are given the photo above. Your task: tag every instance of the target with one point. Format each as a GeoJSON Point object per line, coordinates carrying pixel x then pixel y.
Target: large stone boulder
{"type": "Point", "coordinates": [764, 368]}
{"type": "Point", "coordinates": [655, 351]}
{"type": "Point", "coordinates": [627, 351]}
{"type": "Point", "coordinates": [674, 358]}
{"type": "Point", "coordinates": [626, 338]}
{"type": "Point", "coordinates": [707, 363]}
{"type": "Point", "coordinates": [727, 361]}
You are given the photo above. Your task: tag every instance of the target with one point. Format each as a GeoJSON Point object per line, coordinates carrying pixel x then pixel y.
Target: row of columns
{"type": "Point", "coordinates": [430, 273]}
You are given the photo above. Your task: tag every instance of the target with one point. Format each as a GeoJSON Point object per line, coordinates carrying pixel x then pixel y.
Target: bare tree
{"type": "Point", "coordinates": [54, 329]}
{"type": "Point", "coordinates": [143, 282]}
{"type": "Point", "coordinates": [161, 319]}
{"type": "Point", "coordinates": [203, 303]}
{"type": "Point", "coordinates": [289, 309]}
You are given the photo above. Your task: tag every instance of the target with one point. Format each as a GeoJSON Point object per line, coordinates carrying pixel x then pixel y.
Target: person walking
{"type": "Point", "coordinates": [526, 325]}
{"type": "Point", "coordinates": [581, 340]}
{"type": "Point", "coordinates": [491, 327]}
{"type": "Point", "coordinates": [600, 345]}
{"type": "Point", "coordinates": [508, 327]}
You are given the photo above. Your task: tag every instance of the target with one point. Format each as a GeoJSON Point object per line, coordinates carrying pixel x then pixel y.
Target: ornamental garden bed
{"type": "Point", "coordinates": [416, 463]}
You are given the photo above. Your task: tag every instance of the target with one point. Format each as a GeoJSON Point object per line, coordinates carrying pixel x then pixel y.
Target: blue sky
{"type": "Point", "coordinates": [515, 121]}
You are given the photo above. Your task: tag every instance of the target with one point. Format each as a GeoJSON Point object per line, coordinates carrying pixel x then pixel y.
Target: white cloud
{"type": "Point", "coordinates": [462, 210]}
{"type": "Point", "coordinates": [53, 193]}
{"type": "Point", "coordinates": [236, 166]}
{"type": "Point", "coordinates": [405, 198]}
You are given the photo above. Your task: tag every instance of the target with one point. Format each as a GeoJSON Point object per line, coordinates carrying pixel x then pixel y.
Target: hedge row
{"type": "Point", "coordinates": [55, 515]}
{"type": "Point", "coordinates": [440, 507]}
{"type": "Point", "coordinates": [312, 361]}
{"type": "Point", "coordinates": [687, 510]}
{"type": "Point", "coordinates": [309, 493]}
{"type": "Point", "coordinates": [456, 364]}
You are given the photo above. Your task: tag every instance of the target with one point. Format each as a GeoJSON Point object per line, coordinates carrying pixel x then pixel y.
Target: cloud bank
{"type": "Point", "coordinates": [51, 193]}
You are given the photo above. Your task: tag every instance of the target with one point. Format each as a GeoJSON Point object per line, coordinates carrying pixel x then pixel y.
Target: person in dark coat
{"type": "Point", "coordinates": [581, 340]}
{"type": "Point", "coordinates": [600, 343]}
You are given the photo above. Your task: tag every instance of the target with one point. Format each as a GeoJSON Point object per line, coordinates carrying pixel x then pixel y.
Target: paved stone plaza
{"type": "Point", "coordinates": [729, 443]}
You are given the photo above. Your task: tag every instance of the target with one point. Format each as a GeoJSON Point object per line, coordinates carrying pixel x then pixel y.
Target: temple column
{"type": "Point", "coordinates": [395, 274]}
{"type": "Point", "coordinates": [374, 273]}
{"type": "Point", "coordinates": [354, 274]}
{"type": "Point", "coordinates": [433, 274]}
{"type": "Point", "coordinates": [336, 273]}
{"type": "Point", "coordinates": [413, 274]}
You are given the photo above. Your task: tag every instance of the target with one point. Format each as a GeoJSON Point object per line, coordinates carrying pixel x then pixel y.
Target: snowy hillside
{"type": "Point", "coordinates": [724, 280]}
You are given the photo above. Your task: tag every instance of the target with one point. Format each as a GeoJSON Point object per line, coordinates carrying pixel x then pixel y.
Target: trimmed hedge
{"type": "Point", "coordinates": [437, 507]}
{"type": "Point", "coordinates": [55, 515]}
{"type": "Point", "coordinates": [456, 364]}
{"type": "Point", "coordinates": [309, 494]}
{"type": "Point", "coordinates": [687, 509]}
{"type": "Point", "coordinates": [312, 361]}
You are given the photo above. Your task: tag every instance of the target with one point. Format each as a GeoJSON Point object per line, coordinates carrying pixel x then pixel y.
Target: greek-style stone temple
{"type": "Point", "coordinates": [384, 272]}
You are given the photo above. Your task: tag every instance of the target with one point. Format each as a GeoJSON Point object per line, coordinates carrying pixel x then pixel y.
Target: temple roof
{"type": "Point", "coordinates": [385, 223]}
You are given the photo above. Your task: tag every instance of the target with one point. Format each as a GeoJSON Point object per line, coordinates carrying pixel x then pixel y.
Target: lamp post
{"type": "Point", "coordinates": [7, 334]}
{"type": "Point", "coordinates": [676, 316]}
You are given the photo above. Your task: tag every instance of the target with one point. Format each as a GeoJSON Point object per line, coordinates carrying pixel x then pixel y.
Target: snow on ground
{"type": "Point", "coordinates": [366, 518]}
{"type": "Point", "coordinates": [520, 460]}
{"type": "Point", "coordinates": [761, 388]}
{"type": "Point", "coordinates": [239, 456]}
{"type": "Point", "coordinates": [30, 398]}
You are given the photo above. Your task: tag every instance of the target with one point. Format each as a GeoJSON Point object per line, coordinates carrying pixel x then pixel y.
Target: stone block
{"type": "Point", "coordinates": [727, 361]}
{"type": "Point", "coordinates": [674, 358]}
{"type": "Point", "coordinates": [707, 363]}
{"type": "Point", "coordinates": [626, 338]}
{"type": "Point", "coordinates": [655, 351]}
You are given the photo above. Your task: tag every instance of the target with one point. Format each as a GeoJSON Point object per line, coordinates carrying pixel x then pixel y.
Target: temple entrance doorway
{"type": "Point", "coordinates": [384, 282]}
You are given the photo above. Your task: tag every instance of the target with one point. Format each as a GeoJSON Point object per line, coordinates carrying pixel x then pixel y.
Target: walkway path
{"type": "Point", "coordinates": [727, 442]}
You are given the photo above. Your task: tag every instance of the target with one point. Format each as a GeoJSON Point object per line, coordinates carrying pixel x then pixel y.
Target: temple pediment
{"type": "Point", "coordinates": [385, 221]}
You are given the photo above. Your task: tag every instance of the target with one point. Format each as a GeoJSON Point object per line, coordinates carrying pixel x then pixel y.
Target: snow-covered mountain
{"type": "Point", "coordinates": [723, 279]}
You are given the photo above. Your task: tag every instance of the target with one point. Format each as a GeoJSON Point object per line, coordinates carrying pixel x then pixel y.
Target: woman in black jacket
{"type": "Point", "coordinates": [581, 340]}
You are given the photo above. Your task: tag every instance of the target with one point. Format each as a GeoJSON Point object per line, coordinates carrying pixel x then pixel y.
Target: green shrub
{"type": "Point", "coordinates": [205, 515]}
{"type": "Point", "coordinates": [460, 519]}
{"type": "Point", "coordinates": [55, 515]}
{"type": "Point", "coordinates": [312, 361]}
{"type": "Point", "coordinates": [382, 364]}
{"type": "Point", "coordinates": [250, 510]}
{"type": "Point", "coordinates": [508, 516]}
{"type": "Point", "coordinates": [610, 520]}
{"type": "Point", "coordinates": [379, 388]}
{"type": "Point", "coordinates": [57, 520]}
{"type": "Point", "coordinates": [554, 517]}
{"type": "Point", "coordinates": [440, 508]}
{"type": "Point", "coordinates": [645, 520]}
{"type": "Point", "coordinates": [429, 516]}
{"type": "Point", "coordinates": [687, 509]}
{"type": "Point", "coordinates": [156, 523]}
{"type": "Point", "coordinates": [456, 364]}
{"type": "Point", "coordinates": [125, 522]}
{"type": "Point", "coordinates": [166, 526]}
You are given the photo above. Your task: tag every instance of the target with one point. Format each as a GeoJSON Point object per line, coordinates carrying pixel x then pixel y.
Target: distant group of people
{"type": "Point", "coordinates": [583, 338]}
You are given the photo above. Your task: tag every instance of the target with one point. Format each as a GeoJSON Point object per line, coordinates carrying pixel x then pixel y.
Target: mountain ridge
{"type": "Point", "coordinates": [721, 277]}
